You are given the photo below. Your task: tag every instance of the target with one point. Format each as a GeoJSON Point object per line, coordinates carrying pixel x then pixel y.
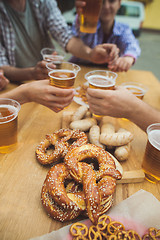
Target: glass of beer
{"type": "Point", "coordinates": [90, 15]}
{"type": "Point", "coordinates": [53, 55]}
{"type": "Point", "coordinates": [65, 76]}
{"type": "Point", "coordinates": [151, 161]}
{"type": "Point", "coordinates": [138, 89]}
{"type": "Point", "coordinates": [8, 124]}
{"type": "Point", "coordinates": [101, 79]}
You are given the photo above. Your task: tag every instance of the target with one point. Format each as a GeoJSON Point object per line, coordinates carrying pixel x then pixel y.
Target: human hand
{"type": "Point", "coordinates": [121, 64]}
{"type": "Point", "coordinates": [3, 80]}
{"type": "Point", "coordinates": [115, 103]}
{"type": "Point", "coordinates": [40, 71]}
{"type": "Point", "coordinates": [79, 6]}
{"type": "Point", "coordinates": [104, 53]}
{"type": "Point", "coordinates": [54, 98]}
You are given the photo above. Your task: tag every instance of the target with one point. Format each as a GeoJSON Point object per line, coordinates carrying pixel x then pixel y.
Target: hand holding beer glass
{"type": "Point", "coordinates": [101, 79]}
{"type": "Point", "coordinates": [8, 124]}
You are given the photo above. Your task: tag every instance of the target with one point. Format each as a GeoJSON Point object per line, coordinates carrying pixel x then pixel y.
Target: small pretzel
{"type": "Point", "coordinates": [93, 233]}
{"type": "Point", "coordinates": [146, 237]}
{"type": "Point", "coordinates": [78, 229]}
{"type": "Point", "coordinates": [154, 233]}
{"type": "Point", "coordinates": [103, 222]}
{"type": "Point", "coordinates": [123, 235]}
{"type": "Point", "coordinates": [114, 227]}
{"type": "Point", "coordinates": [134, 235]}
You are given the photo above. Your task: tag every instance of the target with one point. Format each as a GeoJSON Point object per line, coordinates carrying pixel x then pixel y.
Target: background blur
{"type": "Point", "coordinates": [149, 38]}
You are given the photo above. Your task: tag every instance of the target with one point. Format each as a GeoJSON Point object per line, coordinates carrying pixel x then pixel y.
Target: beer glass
{"type": "Point", "coordinates": [151, 161]}
{"type": "Point", "coordinates": [138, 89]}
{"type": "Point", "coordinates": [65, 76]}
{"type": "Point", "coordinates": [90, 15]}
{"type": "Point", "coordinates": [101, 79]}
{"type": "Point", "coordinates": [8, 124]}
{"type": "Point", "coordinates": [53, 55]}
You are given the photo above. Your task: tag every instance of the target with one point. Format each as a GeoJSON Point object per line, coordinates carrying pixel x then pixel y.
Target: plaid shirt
{"type": "Point", "coordinates": [49, 19]}
{"type": "Point", "coordinates": [121, 35]}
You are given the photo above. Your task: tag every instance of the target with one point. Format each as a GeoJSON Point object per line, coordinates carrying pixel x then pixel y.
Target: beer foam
{"type": "Point", "coordinates": [12, 109]}
{"type": "Point", "coordinates": [104, 81]}
{"type": "Point", "coordinates": [62, 77]}
{"type": "Point", "coordinates": [154, 138]}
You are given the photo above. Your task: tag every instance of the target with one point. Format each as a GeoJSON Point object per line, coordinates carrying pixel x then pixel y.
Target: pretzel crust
{"type": "Point", "coordinates": [62, 141]}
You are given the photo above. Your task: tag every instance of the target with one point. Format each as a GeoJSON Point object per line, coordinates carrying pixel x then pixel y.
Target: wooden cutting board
{"type": "Point", "coordinates": [134, 176]}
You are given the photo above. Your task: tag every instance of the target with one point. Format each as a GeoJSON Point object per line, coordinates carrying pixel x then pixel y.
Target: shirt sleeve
{"type": "Point", "coordinates": [128, 44]}
{"type": "Point", "coordinates": [56, 24]}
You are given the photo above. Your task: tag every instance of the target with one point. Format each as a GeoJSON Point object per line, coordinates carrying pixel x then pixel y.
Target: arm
{"type": "Point", "coordinates": [22, 74]}
{"type": "Point", "coordinates": [43, 93]}
{"type": "Point", "coordinates": [122, 103]}
{"type": "Point", "coordinates": [102, 53]}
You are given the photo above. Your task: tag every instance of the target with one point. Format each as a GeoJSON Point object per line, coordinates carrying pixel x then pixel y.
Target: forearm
{"type": "Point", "coordinates": [77, 48]}
{"type": "Point", "coordinates": [18, 74]}
{"type": "Point", "coordinates": [19, 94]}
{"type": "Point", "coordinates": [143, 115]}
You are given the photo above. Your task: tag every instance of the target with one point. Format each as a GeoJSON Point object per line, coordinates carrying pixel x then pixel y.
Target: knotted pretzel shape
{"type": "Point", "coordinates": [61, 142]}
{"type": "Point", "coordinates": [95, 196]}
{"type": "Point", "coordinates": [64, 206]}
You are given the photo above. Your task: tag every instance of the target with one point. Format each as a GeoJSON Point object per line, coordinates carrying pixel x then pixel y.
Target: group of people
{"type": "Point", "coordinates": [26, 26]}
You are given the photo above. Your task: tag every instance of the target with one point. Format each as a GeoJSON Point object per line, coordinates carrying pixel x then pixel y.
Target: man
{"type": "Point", "coordinates": [110, 31]}
{"type": "Point", "coordinates": [26, 27]}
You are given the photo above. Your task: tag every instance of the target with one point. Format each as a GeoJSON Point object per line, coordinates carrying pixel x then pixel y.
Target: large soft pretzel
{"type": "Point", "coordinates": [76, 187]}
{"type": "Point", "coordinates": [61, 142]}
{"type": "Point", "coordinates": [65, 206]}
{"type": "Point", "coordinates": [90, 151]}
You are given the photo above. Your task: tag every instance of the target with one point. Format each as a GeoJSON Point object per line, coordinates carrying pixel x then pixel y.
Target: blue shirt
{"type": "Point", "coordinates": [121, 35]}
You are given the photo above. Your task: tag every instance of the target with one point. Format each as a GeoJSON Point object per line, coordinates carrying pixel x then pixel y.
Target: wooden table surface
{"type": "Point", "coordinates": [21, 176]}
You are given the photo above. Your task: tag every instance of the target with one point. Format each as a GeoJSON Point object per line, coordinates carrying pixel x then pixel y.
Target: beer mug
{"type": "Point", "coordinates": [90, 15]}
{"type": "Point", "coordinates": [65, 76]}
{"type": "Point", "coordinates": [9, 109]}
{"type": "Point", "coordinates": [151, 161]}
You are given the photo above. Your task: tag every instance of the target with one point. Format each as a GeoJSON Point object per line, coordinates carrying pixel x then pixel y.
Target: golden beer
{"type": "Point", "coordinates": [137, 89]}
{"type": "Point", "coordinates": [151, 161]}
{"type": "Point", "coordinates": [90, 15]}
{"type": "Point", "coordinates": [8, 126]}
{"type": "Point", "coordinates": [62, 78]}
{"type": "Point", "coordinates": [65, 76]}
{"type": "Point", "coordinates": [101, 79]}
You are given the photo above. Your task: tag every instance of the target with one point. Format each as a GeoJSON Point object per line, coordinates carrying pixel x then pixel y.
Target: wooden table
{"type": "Point", "coordinates": [21, 176]}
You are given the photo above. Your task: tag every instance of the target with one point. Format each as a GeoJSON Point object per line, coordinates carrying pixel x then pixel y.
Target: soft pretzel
{"type": "Point", "coordinates": [64, 206]}
{"type": "Point", "coordinates": [106, 175]}
{"type": "Point", "coordinates": [62, 140]}
{"type": "Point", "coordinates": [57, 203]}
{"type": "Point", "coordinates": [91, 151]}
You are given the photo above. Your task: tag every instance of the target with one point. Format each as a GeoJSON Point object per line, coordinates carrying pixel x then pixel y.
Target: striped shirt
{"type": "Point", "coordinates": [49, 19]}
